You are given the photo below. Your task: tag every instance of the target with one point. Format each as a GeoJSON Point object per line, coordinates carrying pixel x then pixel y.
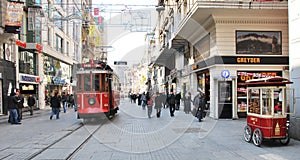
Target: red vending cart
{"type": "Point", "coordinates": [269, 103]}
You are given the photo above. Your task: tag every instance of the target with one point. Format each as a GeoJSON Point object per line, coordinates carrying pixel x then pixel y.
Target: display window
{"type": "Point", "coordinates": [242, 77]}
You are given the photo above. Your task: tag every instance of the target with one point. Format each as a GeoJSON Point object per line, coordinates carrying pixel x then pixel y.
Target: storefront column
{"type": "Point", "coordinates": [234, 102]}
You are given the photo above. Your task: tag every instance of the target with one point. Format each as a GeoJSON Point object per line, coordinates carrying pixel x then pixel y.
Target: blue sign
{"type": "Point", "coordinates": [225, 73]}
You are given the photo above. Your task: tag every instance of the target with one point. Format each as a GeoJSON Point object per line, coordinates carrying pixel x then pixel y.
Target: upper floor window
{"type": "Point", "coordinates": [27, 63]}
{"type": "Point", "coordinates": [38, 31]}
{"type": "Point", "coordinates": [59, 43]}
{"type": "Point", "coordinates": [58, 20]}
{"type": "Point", "coordinates": [202, 48]}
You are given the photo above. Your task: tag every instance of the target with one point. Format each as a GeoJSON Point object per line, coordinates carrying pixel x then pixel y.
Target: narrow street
{"type": "Point", "coordinates": [132, 135]}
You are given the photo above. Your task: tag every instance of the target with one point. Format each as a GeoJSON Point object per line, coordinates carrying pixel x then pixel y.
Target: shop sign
{"type": "Point", "coordinates": [35, 46]}
{"type": "Point", "coordinates": [248, 60]}
{"type": "Point", "coordinates": [58, 80]}
{"type": "Point", "coordinates": [194, 67]}
{"type": "Point", "coordinates": [28, 78]}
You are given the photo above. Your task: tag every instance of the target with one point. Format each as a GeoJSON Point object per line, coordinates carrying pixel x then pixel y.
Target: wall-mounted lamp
{"type": "Point", "coordinates": [160, 8]}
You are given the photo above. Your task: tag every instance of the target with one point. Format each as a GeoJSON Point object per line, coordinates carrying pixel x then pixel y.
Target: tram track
{"type": "Point", "coordinates": [60, 140]}
{"type": "Point", "coordinates": [85, 141]}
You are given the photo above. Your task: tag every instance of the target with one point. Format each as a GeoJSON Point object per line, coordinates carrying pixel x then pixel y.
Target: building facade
{"type": "Point", "coordinates": [39, 50]}
{"type": "Point", "coordinates": [294, 36]}
{"type": "Point", "coordinates": [214, 46]}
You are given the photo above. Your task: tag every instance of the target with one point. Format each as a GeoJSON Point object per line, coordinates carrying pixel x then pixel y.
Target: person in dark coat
{"type": "Point", "coordinates": [20, 106]}
{"type": "Point", "coordinates": [171, 102]}
{"type": "Point", "coordinates": [158, 101]}
{"type": "Point", "coordinates": [139, 96]}
{"type": "Point", "coordinates": [177, 100]}
{"type": "Point", "coordinates": [30, 103]}
{"type": "Point", "coordinates": [13, 109]}
{"type": "Point", "coordinates": [55, 105]}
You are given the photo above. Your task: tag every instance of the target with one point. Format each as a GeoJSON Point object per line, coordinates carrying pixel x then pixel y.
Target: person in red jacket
{"type": "Point", "coordinates": [278, 107]}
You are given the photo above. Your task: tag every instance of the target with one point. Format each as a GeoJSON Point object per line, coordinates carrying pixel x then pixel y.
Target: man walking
{"type": "Point", "coordinates": [55, 105]}
{"type": "Point", "coordinates": [171, 102]}
{"type": "Point", "coordinates": [31, 103]}
{"type": "Point", "coordinates": [13, 109]}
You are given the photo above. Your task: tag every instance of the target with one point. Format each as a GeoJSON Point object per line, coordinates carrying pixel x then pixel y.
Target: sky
{"type": "Point", "coordinates": [127, 46]}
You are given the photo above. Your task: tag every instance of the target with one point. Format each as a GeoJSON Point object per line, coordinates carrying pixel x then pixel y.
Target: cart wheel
{"type": "Point", "coordinates": [247, 133]}
{"type": "Point", "coordinates": [257, 137]}
{"type": "Point", "coordinates": [286, 140]}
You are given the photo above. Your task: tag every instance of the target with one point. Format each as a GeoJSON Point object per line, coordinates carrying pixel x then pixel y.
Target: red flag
{"type": "Point", "coordinates": [96, 11]}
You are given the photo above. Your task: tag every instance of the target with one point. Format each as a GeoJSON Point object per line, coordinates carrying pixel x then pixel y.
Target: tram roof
{"type": "Point", "coordinates": [268, 81]}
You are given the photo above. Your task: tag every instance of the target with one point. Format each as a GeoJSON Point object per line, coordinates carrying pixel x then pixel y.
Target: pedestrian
{"type": "Point", "coordinates": [13, 109]}
{"type": "Point", "coordinates": [187, 103]}
{"type": "Point", "coordinates": [64, 101]}
{"type": "Point", "coordinates": [72, 102]}
{"type": "Point", "coordinates": [20, 106]}
{"type": "Point", "coordinates": [158, 101]}
{"type": "Point", "coordinates": [144, 100]}
{"type": "Point", "coordinates": [196, 104]}
{"type": "Point", "coordinates": [149, 103]}
{"type": "Point", "coordinates": [171, 102]}
{"type": "Point", "coordinates": [139, 96]}
{"type": "Point", "coordinates": [55, 105]}
{"type": "Point", "coordinates": [177, 100]}
{"type": "Point", "coordinates": [164, 100]}
{"type": "Point", "coordinates": [68, 100]}
{"type": "Point", "coordinates": [30, 103]}
{"type": "Point", "coordinates": [200, 111]}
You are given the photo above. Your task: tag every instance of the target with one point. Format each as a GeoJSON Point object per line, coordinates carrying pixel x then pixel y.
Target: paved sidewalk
{"type": "Point", "coordinates": [26, 114]}
{"type": "Point", "coordinates": [132, 135]}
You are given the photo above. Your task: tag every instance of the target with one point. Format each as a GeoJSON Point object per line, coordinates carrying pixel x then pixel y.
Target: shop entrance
{"type": "Point", "coordinates": [225, 99]}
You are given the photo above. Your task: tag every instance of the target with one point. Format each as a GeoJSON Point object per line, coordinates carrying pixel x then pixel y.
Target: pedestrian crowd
{"type": "Point", "coordinates": [172, 101]}
{"type": "Point", "coordinates": [16, 104]}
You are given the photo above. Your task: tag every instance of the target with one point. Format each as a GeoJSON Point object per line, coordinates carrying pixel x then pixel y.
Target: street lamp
{"type": "Point", "coordinates": [160, 8]}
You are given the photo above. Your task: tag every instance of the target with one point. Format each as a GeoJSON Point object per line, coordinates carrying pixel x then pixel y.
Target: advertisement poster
{"type": "Point", "coordinates": [14, 14]}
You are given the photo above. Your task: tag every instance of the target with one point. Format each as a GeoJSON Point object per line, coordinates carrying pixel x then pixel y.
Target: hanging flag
{"type": "Point", "coordinates": [96, 11]}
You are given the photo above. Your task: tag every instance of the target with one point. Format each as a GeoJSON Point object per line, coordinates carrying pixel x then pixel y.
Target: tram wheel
{"type": "Point", "coordinates": [257, 137]}
{"type": "Point", "coordinates": [247, 133]}
{"type": "Point", "coordinates": [286, 140]}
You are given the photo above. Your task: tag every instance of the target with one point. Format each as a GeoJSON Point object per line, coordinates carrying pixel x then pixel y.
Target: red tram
{"type": "Point", "coordinates": [269, 103]}
{"type": "Point", "coordinates": [97, 90]}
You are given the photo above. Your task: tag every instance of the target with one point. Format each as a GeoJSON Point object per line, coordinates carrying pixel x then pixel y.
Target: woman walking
{"type": "Point", "coordinates": [187, 103]}
{"type": "Point", "coordinates": [149, 104]}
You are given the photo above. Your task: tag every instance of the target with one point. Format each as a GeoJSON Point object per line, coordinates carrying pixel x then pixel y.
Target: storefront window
{"type": "Point", "coordinates": [27, 63]}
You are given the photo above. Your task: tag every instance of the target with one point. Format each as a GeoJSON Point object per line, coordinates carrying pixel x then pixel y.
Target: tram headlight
{"type": "Point", "coordinates": [92, 101]}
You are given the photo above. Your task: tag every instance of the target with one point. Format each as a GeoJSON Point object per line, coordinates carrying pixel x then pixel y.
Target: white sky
{"type": "Point", "coordinates": [126, 41]}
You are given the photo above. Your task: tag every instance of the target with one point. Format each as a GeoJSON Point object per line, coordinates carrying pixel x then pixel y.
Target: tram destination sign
{"type": "Point", "coordinates": [120, 63]}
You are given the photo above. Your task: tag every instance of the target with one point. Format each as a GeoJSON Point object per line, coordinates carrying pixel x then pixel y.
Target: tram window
{"type": "Point", "coordinates": [79, 83]}
{"type": "Point", "coordinates": [254, 105]}
{"type": "Point", "coordinates": [96, 81]}
{"type": "Point", "coordinates": [267, 101]}
{"type": "Point", "coordinates": [87, 82]}
{"type": "Point", "coordinates": [102, 82]}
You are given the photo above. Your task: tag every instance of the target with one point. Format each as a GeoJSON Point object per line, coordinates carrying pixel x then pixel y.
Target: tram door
{"type": "Point", "coordinates": [225, 99]}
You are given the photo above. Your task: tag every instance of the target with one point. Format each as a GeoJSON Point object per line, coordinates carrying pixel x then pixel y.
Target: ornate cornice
{"type": "Point", "coordinates": [249, 21]}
